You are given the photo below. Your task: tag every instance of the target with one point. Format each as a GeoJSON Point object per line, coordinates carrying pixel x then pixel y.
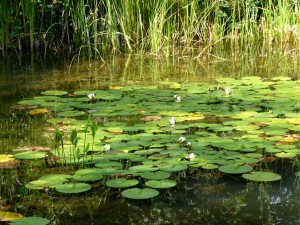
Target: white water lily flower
{"type": "Point", "coordinates": [181, 139]}
{"type": "Point", "coordinates": [192, 156]}
{"type": "Point", "coordinates": [172, 120]}
{"type": "Point", "coordinates": [177, 99]}
{"type": "Point", "coordinates": [91, 96]}
{"type": "Point", "coordinates": [106, 147]}
{"type": "Point", "coordinates": [227, 91]}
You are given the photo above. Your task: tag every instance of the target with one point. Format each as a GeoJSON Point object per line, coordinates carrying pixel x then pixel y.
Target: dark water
{"type": "Point", "coordinates": [204, 198]}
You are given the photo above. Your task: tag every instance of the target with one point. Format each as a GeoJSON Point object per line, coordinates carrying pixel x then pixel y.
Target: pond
{"type": "Point", "coordinates": [201, 130]}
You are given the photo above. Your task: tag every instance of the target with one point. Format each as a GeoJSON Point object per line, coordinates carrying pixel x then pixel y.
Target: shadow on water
{"type": "Point", "coordinates": [204, 199]}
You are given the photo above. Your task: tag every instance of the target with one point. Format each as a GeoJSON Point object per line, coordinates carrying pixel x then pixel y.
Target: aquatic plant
{"type": "Point", "coordinates": [127, 141]}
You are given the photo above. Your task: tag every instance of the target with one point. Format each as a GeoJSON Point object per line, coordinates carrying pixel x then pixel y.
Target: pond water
{"type": "Point", "coordinates": [205, 197]}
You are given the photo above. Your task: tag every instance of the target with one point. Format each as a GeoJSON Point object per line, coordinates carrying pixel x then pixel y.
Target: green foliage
{"type": "Point", "coordinates": [94, 28]}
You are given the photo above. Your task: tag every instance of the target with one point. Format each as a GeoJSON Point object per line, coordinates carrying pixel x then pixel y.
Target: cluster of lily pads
{"type": "Point", "coordinates": [137, 137]}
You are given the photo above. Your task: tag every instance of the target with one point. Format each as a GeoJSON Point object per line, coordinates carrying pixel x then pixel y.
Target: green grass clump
{"type": "Point", "coordinates": [159, 27]}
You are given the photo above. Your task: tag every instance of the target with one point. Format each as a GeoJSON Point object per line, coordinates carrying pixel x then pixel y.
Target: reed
{"type": "Point", "coordinates": [159, 27]}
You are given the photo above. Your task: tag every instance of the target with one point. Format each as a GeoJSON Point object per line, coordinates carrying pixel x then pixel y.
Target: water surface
{"type": "Point", "coordinates": [201, 199]}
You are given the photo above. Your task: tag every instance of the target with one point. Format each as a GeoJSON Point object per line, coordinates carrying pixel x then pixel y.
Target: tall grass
{"type": "Point", "coordinates": [158, 27]}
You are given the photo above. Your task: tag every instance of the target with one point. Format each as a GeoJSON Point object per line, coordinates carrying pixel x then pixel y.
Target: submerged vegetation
{"type": "Point", "coordinates": [159, 27]}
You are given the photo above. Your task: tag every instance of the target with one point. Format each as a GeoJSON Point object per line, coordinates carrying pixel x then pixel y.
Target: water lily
{"type": "Point", "coordinates": [227, 91]}
{"type": "Point", "coordinates": [181, 139]}
{"type": "Point", "coordinates": [177, 99]}
{"type": "Point", "coordinates": [106, 147]}
{"type": "Point", "coordinates": [189, 145]}
{"type": "Point", "coordinates": [91, 96]}
{"type": "Point", "coordinates": [172, 121]}
{"type": "Point", "coordinates": [192, 156]}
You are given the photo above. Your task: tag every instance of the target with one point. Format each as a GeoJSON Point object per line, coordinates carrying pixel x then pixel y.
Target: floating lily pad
{"type": "Point", "coordinates": [9, 216]}
{"type": "Point", "coordinates": [122, 183]}
{"type": "Point", "coordinates": [71, 188]}
{"type": "Point", "coordinates": [235, 169]}
{"type": "Point", "coordinates": [137, 193]}
{"type": "Point", "coordinates": [104, 164]}
{"type": "Point", "coordinates": [71, 113]}
{"type": "Point", "coordinates": [158, 175]}
{"type": "Point", "coordinates": [30, 221]}
{"type": "Point", "coordinates": [262, 176]}
{"type": "Point", "coordinates": [173, 167]}
{"type": "Point", "coordinates": [42, 184]}
{"type": "Point", "coordinates": [6, 157]}
{"type": "Point", "coordinates": [56, 177]}
{"type": "Point", "coordinates": [39, 111]}
{"type": "Point", "coordinates": [89, 174]}
{"type": "Point", "coordinates": [209, 166]}
{"type": "Point", "coordinates": [286, 155]}
{"type": "Point", "coordinates": [30, 155]}
{"type": "Point", "coordinates": [143, 168]}
{"type": "Point", "coordinates": [160, 183]}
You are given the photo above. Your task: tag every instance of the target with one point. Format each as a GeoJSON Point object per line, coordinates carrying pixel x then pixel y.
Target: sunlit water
{"type": "Point", "coordinates": [197, 199]}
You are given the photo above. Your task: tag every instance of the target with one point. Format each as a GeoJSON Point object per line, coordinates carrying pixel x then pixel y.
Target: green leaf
{"type": "Point", "coordinates": [137, 193]}
{"type": "Point", "coordinates": [262, 176]}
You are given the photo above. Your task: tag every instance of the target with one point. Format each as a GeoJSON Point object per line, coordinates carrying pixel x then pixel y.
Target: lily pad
{"type": "Point", "coordinates": [173, 167]}
{"type": "Point", "coordinates": [143, 168]}
{"type": "Point", "coordinates": [30, 221]}
{"type": "Point", "coordinates": [286, 155]}
{"type": "Point", "coordinates": [235, 169]}
{"type": "Point", "coordinates": [6, 157]}
{"type": "Point", "coordinates": [71, 113]}
{"type": "Point", "coordinates": [41, 184]}
{"type": "Point", "coordinates": [71, 188]}
{"type": "Point", "coordinates": [138, 193]}
{"type": "Point", "coordinates": [160, 183]}
{"type": "Point", "coordinates": [262, 176]}
{"type": "Point", "coordinates": [30, 155]}
{"type": "Point", "coordinates": [89, 174]}
{"type": "Point", "coordinates": [122, 183]}
{"type": "Point", "coordinates": [158, 175]}
{"type": "Point", "coordinates": [9, 216]}
{"type": "Point", "coordinates": [39, 111]}
{"type": "Point", "coordinates": [56, 177]}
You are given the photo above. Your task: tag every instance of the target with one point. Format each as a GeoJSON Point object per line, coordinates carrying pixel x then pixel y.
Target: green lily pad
{"type": "Point", "coordinates": [70, 113]}
{"type": "Point", "coordinates": [173, 167]}
{"type": "Point", "coordinates": [73, 188]}
{"type": "Point", "coordinates": [42, 184]}
{"type": "Point", "coordinates": [103, 164]}
{"type": "Point", "coordinates": [56, 178]}
{"type": "Point", "coordinates": [137, 193]}
{"type": "Point", "coordinates": [160, 183]}
{"type": "Point", "coordinates": [209, 166]}
{"type": "Point", "coordinates": [286, 155]}
{"type": "Point", "coordinates": [122, 183]}
{"type": "Point", "coordinates": [30, 155]}
{"type": "Point", "coordinates": [158, 175]}
{"type": "Point", "coordinates": [89, 174]}
{"type": "Point", "coordinates": [235, 169]}
{"type": "Point", "coordinates": [143, 168]}
{"type": "Point", "coordinates": [262, 176]}
{"type": "Point", "coordinates": [30, 221]}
